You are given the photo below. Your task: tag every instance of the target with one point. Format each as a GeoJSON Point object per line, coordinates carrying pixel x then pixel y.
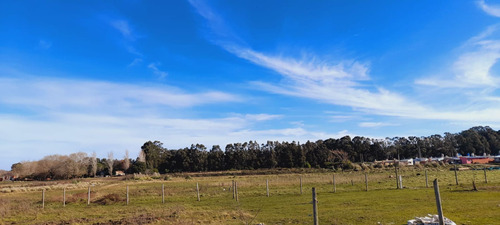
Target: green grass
{"type": "Point", "coordinates": [351, 204]}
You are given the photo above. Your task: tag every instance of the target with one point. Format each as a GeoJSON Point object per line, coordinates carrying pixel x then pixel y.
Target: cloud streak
{"type": "Point", "coordinates": [159, 73]}
{"type": "Point", "coordinates": [342, 83]}
{"type": "Point", "coordinates": [83, 94]}
{"type": "Point", "coordinates": [493, 10]}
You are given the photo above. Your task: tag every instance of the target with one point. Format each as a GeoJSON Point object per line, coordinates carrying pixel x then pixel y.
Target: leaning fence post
{"type": "Point", "coordinates": [315, 206]}
{"type": "Point", "coordinates": [456, 176]}
{"type": "Point", "coordinates": [334, 185]}
{"type": "Point", "coordinates": [197, 191]}
{"type": "Point", "coordinates": [128, 200]}
{"type": "Point", "coordinates": [300, 184]}
{"type": "Point", "coordinates": [88, 196]}
{"type": "Point", "coordinates": [438, 202]}
{"type": "Point", "coordinates": [426, 180]}
{"type": "Point", "coordinates": [267, 187]}
{"type": "Point", "coordinates": [64, 197]}
{"type": "Point", "coordinates": [485, 178]}
{"type": "Point", "coordinates": [43, 198]}
{"type": "Point", "coordinates": [162, 193]}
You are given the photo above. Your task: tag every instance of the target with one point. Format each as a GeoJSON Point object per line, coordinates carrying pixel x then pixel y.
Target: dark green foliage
{"type": "Point", "coordinates": [330, 153]}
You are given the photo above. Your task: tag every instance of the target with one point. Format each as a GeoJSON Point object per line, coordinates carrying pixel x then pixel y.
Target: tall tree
{"type": "Point", "coordinates": [126, 161]}
{"type": "Point", "coordinates": [93, 162]}
{"type": "Point", "coordinates": [110, 162]}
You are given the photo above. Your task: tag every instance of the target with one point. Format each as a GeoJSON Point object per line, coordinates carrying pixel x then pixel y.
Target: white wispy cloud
{"type": "Point", "coordinates": [159, 73]}
{"type": "Point", "coordinates": [124, 28]}
{"type": "Point", "coordinates": [472, 68]}
{"type": "Point", "coordinates": [376, 124]}
{"type": "Point", "coordinates": [60, 116]}
{"type": "Point", "coordinates": [135, 62]}
{"type": "Point", "coordinates": [342, 83]}
{"type": "Point", "coordinates": [53, 93]}
{"type": "Point", "coordinates": [493, 10]}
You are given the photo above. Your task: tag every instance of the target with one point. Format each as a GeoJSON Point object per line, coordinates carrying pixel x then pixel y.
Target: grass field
{"type": "Point", "coordinates": [20, 202]}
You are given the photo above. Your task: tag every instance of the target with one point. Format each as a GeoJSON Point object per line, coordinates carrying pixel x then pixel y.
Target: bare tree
{"type": "Point", "coordinates": [93, 162]}
{"type": "Point", "coordinates": [126, 161]}
{"type": "Point", "coordinates": [110, 162]}
{"type": "Point", "coordinates": [142, 156]}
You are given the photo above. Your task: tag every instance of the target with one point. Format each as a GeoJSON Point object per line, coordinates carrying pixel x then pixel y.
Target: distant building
{"type": "Point", "coordinates": [120, 173]}
{"type": "Point", "coordinates": [475, 160]}
{"type": "Point", "coordinates": [407, 162]}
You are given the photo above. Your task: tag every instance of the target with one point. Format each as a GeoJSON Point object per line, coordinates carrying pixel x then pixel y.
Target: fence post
{"type": "Point", "coordinates": [485, 178]}
{"type": "Point", "coordinates": [197, 191]}
{"type": "Point", "coordinates": [438, 202]}
{"type": "Point", "coordinates": [315, 206]}
{"type": "Point", "coordinates": [334, 185]}
{"type": "Point", "coordinates": [127, 196]}
{"type": "Point", "coordinates": [456, 176]}
{"type": "Point", "coordinates": [43, 198]}
{"type": "Point", "coordinates": [88, 196]}
{"type": "Point", "coordinates": [267, 187]}
{"type": "Point", "coordinates": [400, 182]}
{"type": "Point", "coordinates": [162, 193]}
{"type": "Point", "coordinates": [426, 180]}
{"type": "Point", "coordinates": [300, 184]}
{"type": "Point", "coordinates": [397, 177]}
{"type": "Point", "coordinates": [366, 181]}
{"type": "Point", "coordinates": [64, 197]}
{"type": "Point", "coordinates": [236, 190]}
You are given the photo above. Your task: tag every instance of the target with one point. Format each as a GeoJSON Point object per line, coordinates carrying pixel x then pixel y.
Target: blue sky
{"type": "Point", "coordinates": [108, 76]}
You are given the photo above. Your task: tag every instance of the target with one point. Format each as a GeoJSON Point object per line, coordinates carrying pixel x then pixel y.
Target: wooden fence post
{"type": "Point", "coordinates": [485, 177]}
{"type": "Point", "coordinates": [197, 191]}
{"type": "Point", "coordinates": [334, 185]}
{"type": "Point", "coordinates": [236, 190]}
{"type": "Point", "coordinates": [438, 202]}
{"type": "Point", "coordinates": [300, 184]}
{"type": "Point", "coordinates": [43, 198]}
{"type": "Point", "coordinates": [64, 197]}
{"type": "Point", "coordinates": [128, 200]}
{"type": "Point", "coordinates": [426, 180]}
{"type": "Point", "coordinates": [162, 193]}
{"type": "Point", "coordinates": [456, 176]}
{"type": "Point", "coordinates": [315, 206]}
{"type": "Point", "coordinates": [88, 196]}
{"type": "Point", "coordinates": [267, 187]}
{"type": "Point", "coordinates": [366, 181]}
{"type": "Point", "coordinates": [397, 177]}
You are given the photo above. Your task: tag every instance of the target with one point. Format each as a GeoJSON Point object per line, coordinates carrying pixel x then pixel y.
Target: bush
{"type": "Point", "coordinates": [108, 199]}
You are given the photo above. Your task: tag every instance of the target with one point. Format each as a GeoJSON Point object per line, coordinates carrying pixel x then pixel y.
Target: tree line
{"type": "Point", "coordinates": [330, 153]}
